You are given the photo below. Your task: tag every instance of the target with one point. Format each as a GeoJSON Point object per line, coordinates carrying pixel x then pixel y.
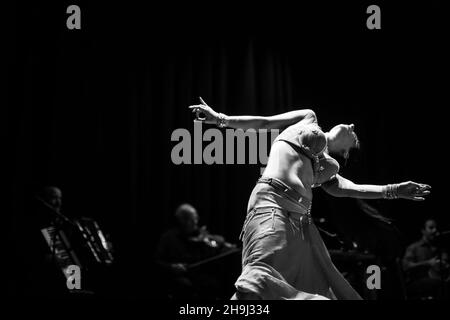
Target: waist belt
{"type": "Point", "coordinates": [277, 184]}
{"type": "Point", "coordinates": [296, 220]}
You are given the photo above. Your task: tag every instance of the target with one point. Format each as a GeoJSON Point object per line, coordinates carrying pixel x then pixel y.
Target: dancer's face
{"type": "Point", "coordinates": [344, 139]}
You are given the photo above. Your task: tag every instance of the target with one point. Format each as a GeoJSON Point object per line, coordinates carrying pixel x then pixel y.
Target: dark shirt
{"type": "Point", "coordinates": [417, 252]}
{"type": "Point", "coordinates": [175, 247]}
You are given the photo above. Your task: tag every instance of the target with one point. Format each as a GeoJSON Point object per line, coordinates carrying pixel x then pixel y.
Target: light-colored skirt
{"type": "Point", "coordinates": [283, 255]}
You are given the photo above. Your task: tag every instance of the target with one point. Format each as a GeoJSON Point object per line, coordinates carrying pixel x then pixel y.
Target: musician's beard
{"type": "Point", "coordinates": [431, 238]}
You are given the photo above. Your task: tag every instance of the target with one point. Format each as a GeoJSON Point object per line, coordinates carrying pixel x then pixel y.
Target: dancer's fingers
{"type": "Point", "coordinates": [418, 199]}
{"type": "Point", "coordinates": [421, 191]}
{"type": "Point", "coordinates": [202, 101]}
{"type": "Point", "coordinates": [197, 109]}
{"type": "Point", "coordinates": [197, 115]}
{"type": "Point", "coordinates": [423, 186]}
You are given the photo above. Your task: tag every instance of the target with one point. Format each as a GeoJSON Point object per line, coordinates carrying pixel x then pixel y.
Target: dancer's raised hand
{"type": "Point", "coordinates": [209, 115]}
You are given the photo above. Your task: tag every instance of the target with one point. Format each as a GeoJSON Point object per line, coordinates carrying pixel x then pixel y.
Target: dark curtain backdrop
{"type": "Point", "coordinates": [92, 111]}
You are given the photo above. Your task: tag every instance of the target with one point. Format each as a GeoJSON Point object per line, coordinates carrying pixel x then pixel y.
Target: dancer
{"type": "Point", "coordinates": [283, 255]}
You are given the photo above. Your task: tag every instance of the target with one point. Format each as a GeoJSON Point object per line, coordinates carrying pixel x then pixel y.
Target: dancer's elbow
{"type": "Point", "coordinates": [311, 114]}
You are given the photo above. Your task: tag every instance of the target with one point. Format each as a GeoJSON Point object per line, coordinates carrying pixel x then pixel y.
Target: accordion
{"type": "Point", "coordinates": [81, 243]}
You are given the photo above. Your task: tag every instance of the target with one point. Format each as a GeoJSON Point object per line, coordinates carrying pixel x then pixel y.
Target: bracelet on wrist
{"type": "Point", "coordinates": [390, 191]}
{"type": "Point", "coordinates": [221, 120]}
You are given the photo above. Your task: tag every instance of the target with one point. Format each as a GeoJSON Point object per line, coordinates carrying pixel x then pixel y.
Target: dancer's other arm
{"type": "Point", "coordinates": [342, 187]}
{"type": "Point", "coordinates": [278, 121]}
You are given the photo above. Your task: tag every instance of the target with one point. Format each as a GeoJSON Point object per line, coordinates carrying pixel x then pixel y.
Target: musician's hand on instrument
{"type": "Point", "coordinates": [218, 238]}
{"type": "Point", "coordinates": [229, 245]}
{"type": "Point", "coordinates": [413, 191]}
{"type": "Point", "coordinates": [178, 268]}
{"type": "Point", "coordinates": [433, 262]}
{"type": "Point", "coordinates": [210, 116]}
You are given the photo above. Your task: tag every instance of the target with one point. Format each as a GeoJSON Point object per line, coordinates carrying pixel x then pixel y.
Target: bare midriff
{"type": "Point", "coordinates": [291, 167]}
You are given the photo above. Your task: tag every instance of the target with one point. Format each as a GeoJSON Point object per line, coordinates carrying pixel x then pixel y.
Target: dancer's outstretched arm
{"type": "Point", "coordinates": [342, 187]}
{"type": "Point", "coordinates": [278, 121]}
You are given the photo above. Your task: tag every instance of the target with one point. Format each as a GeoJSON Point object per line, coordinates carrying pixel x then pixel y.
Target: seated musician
{"type": "Point", "coordinates": [186, 245]}
{"type": "Point", "coordinates": [37, 272]}
{"type": "Point", "coordinates": [42, 255]}
{"type": "Point", "coordinates": [427, 266]}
